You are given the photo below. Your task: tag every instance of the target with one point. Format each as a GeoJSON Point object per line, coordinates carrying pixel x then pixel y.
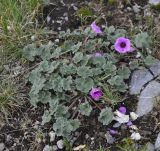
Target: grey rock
{"type": "Point", "coordinates": [150, 147]}
{"type": "Point", "coordinates": [60, 144]}
{"type": "Point", "coordinates": [157, 143]}
{"type": "Point", "coordinates": [154, 2]}
{"type": "Point", "coordinates": [109, 138]}
{"type": "Point", "coordinates": [2, 146]}
{"type": "Point", "coordinates": [47, 148]}
{"type": "Point", "coordinates": [116, 125]}
{"type": "Point", "coordinates": [54, 147]}
{"type": "Point", "coordinates": [155, 68]}
{"type": "Point", "coordinates": [138, 80]}
{"type": "Point", "coordinates": [52, 136]}
{"type": "Point", "coordinates": [147, 98]}
{"type": "Point", "coordinates": [136, 8]}
{"type": "Point", "coordinates": [86, 136]}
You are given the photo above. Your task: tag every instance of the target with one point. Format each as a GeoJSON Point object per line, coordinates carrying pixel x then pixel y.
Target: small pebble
{"type": "Point", "coordinates": [48, 19]}
{"type": "Point", "coordinates": [52, 136]}
{"type": "Point", "coordinates": [46, 148]}
{"type": "Point", "coordinates": [54, 147]}
{"type": "Point", "coordinates": [60, 144]}
{"type": "Point", "coordinates": [2, 146]}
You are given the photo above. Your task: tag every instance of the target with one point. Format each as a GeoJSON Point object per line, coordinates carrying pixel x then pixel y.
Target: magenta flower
{"type": "Point", "coordinates": [96, 93]}
{"type": "Point", "coordinates": [122, 109]}
{"type": "Point", "coordinates": [129, 123]}
{"type": "Point", "coordinates": [122, 45]}
{"type": "Point", "coordinates": [113, 132]}
{"type": "Point", "coordinates": [96, 28]}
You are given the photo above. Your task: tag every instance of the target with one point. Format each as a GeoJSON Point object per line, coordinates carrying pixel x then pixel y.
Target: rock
{"type": "Point", "coordinates": [47, 148]}
{"type": "Point", "coordinates": [60, 144]}
{"type": "Point", "coordinates": [154, 2]}
{"type": "Point", "coordinates": [150, 147]}
{"type": "Point", "coordinates": [2, 146]}
{"type": "Point", "coordinates": [116, 125]}
{"type": "Point", "coordinates": [157, 143]}
{"type": "Point", "coordinates": [139, 79]}
{"type": "Point", "coordinates": [136, 8]}
{"type": "Point", "coordinates": [54, 147]}
{"type": "Point", "coordinates": [147, 98]}
{"type": "Point", "coordinates": [86, 136]}
{"type": "Point", "coordinates": [48, 19]}
{"type": "Point", "coordinates": [109, 138]}
{"type": "Point", "coordinates": [155, 69]}
{"type": "Point", "coordinates": [52, 136]}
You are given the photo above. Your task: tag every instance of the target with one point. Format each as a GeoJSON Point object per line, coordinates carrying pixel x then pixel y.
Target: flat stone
{"type": "Point", "coordinates": [147, 98]}
{"type": "Point", "coordinates": [46, 148]}
{"type": "Point", "coordinates": [155, 68]}
{"type": "Point", "coordinates": [109, 138]}
{"type": "Point", "coordinates": [52, 136]}
{"type": "Point", "coordinates": [2, 146]}
{"type": "Point", "coordinates": [60, 144]}
{"type": "Point", "coordinates": [157, 143]}
{"type": "Point", "coordinates": [138, 80]}
{"type": "Point", "coordinates": [150, 147]}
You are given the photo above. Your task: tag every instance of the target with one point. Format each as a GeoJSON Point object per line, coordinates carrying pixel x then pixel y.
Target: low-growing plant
{"type": "Point", "coordinates": [67, 72]}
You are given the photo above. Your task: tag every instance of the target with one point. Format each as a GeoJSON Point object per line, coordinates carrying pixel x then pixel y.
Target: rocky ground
{"type": "Point", "coordinates": [23, 130]}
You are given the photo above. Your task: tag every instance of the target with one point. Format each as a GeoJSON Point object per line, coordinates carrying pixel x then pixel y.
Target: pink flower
{"type": "Point", "coordinates": [113, 132]}
{"type": "Point", "coordinates": [122, 109]}
{"type": "Point", "coordinates": [96, 28]}
{"type": "Point", "coordinates": [129, 123]}
{"type": "Point", "coordinates": [122, 45]}
{"type": "Point", "coordinates": [96, 93]}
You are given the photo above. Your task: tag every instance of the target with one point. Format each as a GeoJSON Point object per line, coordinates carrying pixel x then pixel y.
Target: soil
{"type": "Point", "coordinates": [22, 127]}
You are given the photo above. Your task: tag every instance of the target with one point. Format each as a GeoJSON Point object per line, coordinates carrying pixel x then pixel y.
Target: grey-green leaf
{"type": "Point", "coordinates": [85, 108]}
{"type": "Point", "coordinates": [84, 84]}
{"type": "Point", "coordinates": [106, 116]}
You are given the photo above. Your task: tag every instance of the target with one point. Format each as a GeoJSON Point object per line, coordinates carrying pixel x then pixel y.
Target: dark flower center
{"type": "Point", "coordinates": [123, 44]}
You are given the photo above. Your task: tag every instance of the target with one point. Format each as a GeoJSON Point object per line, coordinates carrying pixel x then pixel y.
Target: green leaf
{"type": "Point", "coordinates": [122, 87]}
{"type": "Point", "coordinates": [34, 99]}
{"type": "Point", "coordinates": [66, 83]}
{"type": "Point", "coordinates": [38, 85]}
{"type": "Point", "coordinates": [68, 69]}
{"type": "Point", "coordinates": [142, 40]}
{"type": "Point", "coordinates": [84, 71]}
{"type": "Point", "coordinates": [97, 71]}
{"type": "Point", "coordinates": [124, 72]}
{"type": "Point", "coordinates": [47, 116]}
{"type": "Point", "coordinates": [56, 53]}
{"type": "Point", "coordinates": [78, 57]}
{"type": "Point", "coordinates": [45, 51]}
{"type": "Point", "coordinates": [61, 111]}
{"type": "Point", "coordinates": [44, 97]}
{"type": "Point", "coordinates": [76, 47]}
{"type": "Point", "coordinates": [116, 80]}
{"type": "Point", "coordinates": [85, 108]}
{"type": "Point", "coordinates": [35, 75]}
{"type": "Point", "coordinates": [84, 84]}
{"type": "Point", "coordinates": [63, 126]}
{"type": "Point", "coordinates": [54, 83]}
{"type": "Point", "coordinates": [99, 61]}
{"type": "Point", "coordinates": [109, 67]}
{"type": "Point", "coordinates": [53, 103]}
{"type": "Point", "coordinates": [30, 51]}
{"type": "Point", "coordinates": [106, 116]}
{"type": "Point", "coordinates": [49, 67]}
{"type": "Point", "coordinates": [150, 60]}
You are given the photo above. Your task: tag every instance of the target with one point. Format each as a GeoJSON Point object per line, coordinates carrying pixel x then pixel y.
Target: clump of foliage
{"type": "Point", "coordinates": [67, 71]}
